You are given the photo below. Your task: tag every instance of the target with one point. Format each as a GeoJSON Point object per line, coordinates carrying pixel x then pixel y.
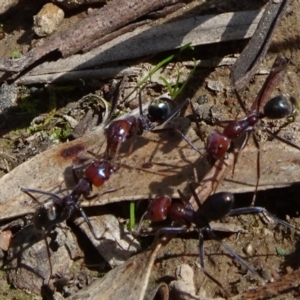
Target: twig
{"type": "Point", "coordinates": [251, 57]}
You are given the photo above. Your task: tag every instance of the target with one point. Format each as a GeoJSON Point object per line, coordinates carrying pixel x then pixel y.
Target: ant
{"type": "Point", "coordinates": [58, 210]}
{"type": "Point", "coordinates": [218, 143]}
{"type": "Point", "coordinates": [216, 207]}
{"type": "Point", "coordinates": [160, 111]}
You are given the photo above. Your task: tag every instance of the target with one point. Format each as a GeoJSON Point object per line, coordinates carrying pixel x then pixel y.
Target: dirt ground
{"type": "Point", "coordinates": [271, 249]}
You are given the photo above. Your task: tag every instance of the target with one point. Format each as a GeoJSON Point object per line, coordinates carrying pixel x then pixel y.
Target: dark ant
{"type": "Point", "coordinates": [160, 110]}
{"type": "Point", "coordinates": [59, 209]}
{"type": "Point", "coordinates": [215, 207]}
{"type": "Point", "coordinates": [218, 143]}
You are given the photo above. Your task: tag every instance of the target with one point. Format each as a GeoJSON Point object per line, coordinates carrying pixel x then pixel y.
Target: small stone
{"type": "Point", "coordinates": [248, 249]}
{"type": "Point", "coordinates": [215, 86]}
{"type": "Point", "coordinates": [47, 20]}
{"type": "Point", "coordinates": [8, 96]}
{"type": "Point", "coordinates": [5, 239]}
{"type": "Point", "coordinates": [183, 287]}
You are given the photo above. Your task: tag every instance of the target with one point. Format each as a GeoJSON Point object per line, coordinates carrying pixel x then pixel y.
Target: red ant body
{"type": "Point", "coordinates": [278, 107]}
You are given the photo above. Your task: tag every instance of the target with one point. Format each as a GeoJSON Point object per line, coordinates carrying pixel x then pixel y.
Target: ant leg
{"type": "Point", "coordinates": [88, 222]}
{"type": "Point", "coordinates": [49, 258]}
{"type": "Point", "coordinates": [200, 133]}
{"type": "Point", "coordinates": [100, 194]}
{"type": "Point", "coordinates": [210, 232]}
{"type": "Point", "coordinates": [133, 139]}
{"type": "Point", "coordinates": [187, 140]}
{"type": "Point", "coordinates": [201, 249]}
{"type": "Point", "coordinates": [195, 196]}
{"type": "Point", "coordinates": [283, 140]}
{"type": "Point", "coordinates": [256, 210]}
{"type": "Point", "coordinates": [91, 228]}
{"type": "Point", "coordinates": [237, 152]}
{"type": "Point", "coordinates": [164, 230]}
{"type": "Point", "coordinates": [173, 128]}
{"type": "Point", "coordinates": [201, 256]}
{"type": "Point", "coordinates": [257, 168]}
{"type": "Point", "coordinates": [185, 201]}
{"type": "Point", "coordinates": [29, 191]}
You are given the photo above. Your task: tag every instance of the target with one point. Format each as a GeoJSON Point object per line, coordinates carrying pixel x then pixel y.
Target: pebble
{"type": "Point", "coordinates": [216, 86]}
{"type": "Point", "coordinates": [183, 287]}
{"type": "Point", "coordinates": [48, 20]}
{"type": "Point", "coordinates": [5, 239]}
{"type": "Point", "coordinates": [8, 96]}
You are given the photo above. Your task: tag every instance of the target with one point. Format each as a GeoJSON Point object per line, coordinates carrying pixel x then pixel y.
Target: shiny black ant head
{"type": "Point", "coordinates": [160, 109]}
{"type": "Point", "coordinates": [52, 213]}
{"type": "Point", "coordinates": [216, 206]}
{"type": "Point", "coordinates": [280, 106]}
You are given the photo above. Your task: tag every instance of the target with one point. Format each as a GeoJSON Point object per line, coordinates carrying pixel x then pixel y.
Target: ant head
{"type": "Point", "coordinates": [158, 208]}
{"type": "Point", "coordinates": [217, 145]}
{"type": "Point", "coordinates": [117, 132]}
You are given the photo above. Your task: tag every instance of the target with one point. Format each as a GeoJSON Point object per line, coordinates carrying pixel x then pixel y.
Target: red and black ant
{"type": "Point", "coordinates": [281, 106]}
{"type": "Point", "coordinates": [58, 210]}
{"type": "Point", "coordinates": [214, 208]}
{"type": "Point", "coordinates": [160, 111]}
{"type": "Point", "coordinates": [278, 107]}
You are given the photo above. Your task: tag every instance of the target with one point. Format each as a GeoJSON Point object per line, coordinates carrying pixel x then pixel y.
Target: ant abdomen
{"type": "Point", "coordinates": [280, 106]}
{"type": "Point", "coordinates": [216, 206]}
{"type": "Point", "coordinates": [99, 171]}
{"type": "Point", "coordinates": [160, 109]}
